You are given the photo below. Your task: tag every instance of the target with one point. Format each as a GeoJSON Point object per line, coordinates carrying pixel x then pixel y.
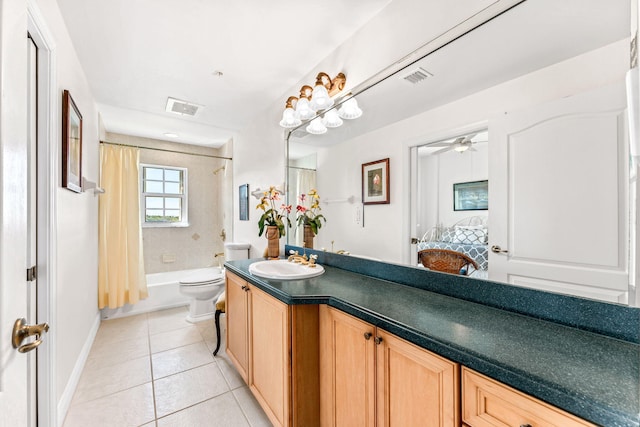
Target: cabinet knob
{"type": "Point", "coordinates": [367, 335]}
{"type": "Point", "coordinates": [244, 287]}
{"type": "Point", "coordinates": [377, 340]}
{"type": "Point", "coordinates": [525, 425]}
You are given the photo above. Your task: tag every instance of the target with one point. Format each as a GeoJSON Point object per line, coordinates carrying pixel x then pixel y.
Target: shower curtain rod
{"type": "Point", "coordinates": [167, 151]}
{"type": "Point", "coordinates": [304, 169]}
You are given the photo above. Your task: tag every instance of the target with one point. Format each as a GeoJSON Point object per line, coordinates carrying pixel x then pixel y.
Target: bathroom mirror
{"type": "Point", "coordinates": [528, 59]}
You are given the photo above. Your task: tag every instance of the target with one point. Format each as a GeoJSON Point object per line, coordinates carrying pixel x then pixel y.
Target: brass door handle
{"type": "Point", "coordinates": [21, 331]}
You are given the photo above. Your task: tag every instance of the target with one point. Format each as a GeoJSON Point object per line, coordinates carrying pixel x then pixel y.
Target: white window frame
{"type": "Point", "coordinates": [183, 196]}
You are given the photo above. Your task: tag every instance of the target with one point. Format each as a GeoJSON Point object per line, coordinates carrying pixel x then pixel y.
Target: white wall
{"type": "Point", "coordinates": [435, 188]}
{"type": "Point", "coordinates": [386, 227]}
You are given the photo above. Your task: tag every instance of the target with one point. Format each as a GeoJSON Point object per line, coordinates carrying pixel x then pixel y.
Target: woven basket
{"type": "Point", "coordinates": [445, 260]}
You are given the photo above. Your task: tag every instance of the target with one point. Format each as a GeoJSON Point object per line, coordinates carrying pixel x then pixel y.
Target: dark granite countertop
{"type": "Point", "coordinates": [590, 375]}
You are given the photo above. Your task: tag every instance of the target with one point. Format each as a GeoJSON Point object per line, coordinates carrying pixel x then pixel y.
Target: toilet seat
{"type": "Point", "coordinates": [205, 276]}
{"type": "Point", "coordinates": [209, 282]}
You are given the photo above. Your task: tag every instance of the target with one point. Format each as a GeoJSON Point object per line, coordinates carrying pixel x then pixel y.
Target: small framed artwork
{"type": "Point", "coordinates": [471, 196]}
{"type": "Point", "coordinates": [71, 144]}
{"type": "Point", "coordinates": [375, 182]}
{"type": "Point", "coordinates": [243, 197]}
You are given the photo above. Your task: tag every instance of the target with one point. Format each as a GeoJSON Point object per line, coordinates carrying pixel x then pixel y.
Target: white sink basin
{"type": "Point", "coordinates": [282, 269]}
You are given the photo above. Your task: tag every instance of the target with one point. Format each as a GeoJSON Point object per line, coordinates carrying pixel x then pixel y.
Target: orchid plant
{"type": "Point", "coordinates": [272, 216]}
{"type": "Point", "coordinates": [310, 216]}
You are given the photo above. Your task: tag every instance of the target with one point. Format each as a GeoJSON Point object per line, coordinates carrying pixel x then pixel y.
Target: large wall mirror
{"type": "Point", "coordinates": [512, 148]}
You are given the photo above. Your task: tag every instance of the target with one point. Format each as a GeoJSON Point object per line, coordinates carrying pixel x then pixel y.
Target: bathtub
{"type": "Point", "coordinates": [163, 293]}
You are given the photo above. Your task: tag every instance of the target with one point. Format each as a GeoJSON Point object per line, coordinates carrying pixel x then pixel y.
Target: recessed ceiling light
{"type": "Point", "coordinates": [171, 134]}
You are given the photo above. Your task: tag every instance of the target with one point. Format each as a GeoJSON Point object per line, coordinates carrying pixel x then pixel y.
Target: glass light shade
{"type": "Point", "coordinates": [316, 127]}
{"type": "Point", "coordinates": [320, 99]}
{"type": "Point", "coordinates": [461, 148]}
{"type": "Point", "coordinates": [350, 110]}
{"type": "Point", "coordinates": [331, 119]}
{"type": "Point", "coordinates": [289, 119]}
{"type": "Point", "coordinates": [304, 110]}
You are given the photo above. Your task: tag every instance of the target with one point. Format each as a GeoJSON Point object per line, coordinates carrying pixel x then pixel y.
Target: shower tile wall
{"type": "Point", "coordinates": [209, 198]}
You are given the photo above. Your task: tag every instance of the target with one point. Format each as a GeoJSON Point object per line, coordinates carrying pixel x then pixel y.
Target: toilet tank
{"type": "Point", "coordinates": [235, 250]}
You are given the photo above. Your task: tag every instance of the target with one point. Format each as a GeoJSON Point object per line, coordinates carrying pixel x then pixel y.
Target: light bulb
{"type": "Point", "coordinates": [316, 127]}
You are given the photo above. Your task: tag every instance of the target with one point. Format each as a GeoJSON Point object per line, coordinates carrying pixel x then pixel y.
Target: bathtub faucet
{"type": "Point", "coordinates": [218, 255]}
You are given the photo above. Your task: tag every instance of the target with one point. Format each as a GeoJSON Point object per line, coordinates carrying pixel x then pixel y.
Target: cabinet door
{"type": "Point", "coordinates": [347, 372]}
{"type": "Point", "coordinates": [415, 386]}
{"type": "Point", "coordinates": [237, 324]}
{"type": "Point", "coordinates": [270, 363]}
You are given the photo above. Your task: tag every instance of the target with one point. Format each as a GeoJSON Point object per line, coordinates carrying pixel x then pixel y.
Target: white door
{"type": "Point", "coordinates": [558, 177]}
{"type": "Point", "coordinates": [19, 335]}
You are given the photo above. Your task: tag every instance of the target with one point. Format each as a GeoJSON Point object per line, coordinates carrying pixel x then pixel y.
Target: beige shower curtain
{"type": "Point", "coordinates": [121, 277]}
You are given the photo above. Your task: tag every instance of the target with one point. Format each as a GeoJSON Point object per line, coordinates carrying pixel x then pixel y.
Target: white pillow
{"type": "Point", "coordinates": [470, 235]}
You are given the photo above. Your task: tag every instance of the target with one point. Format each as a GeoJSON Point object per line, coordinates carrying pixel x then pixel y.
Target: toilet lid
{"type": "Point", "coordinates": [203, 276]}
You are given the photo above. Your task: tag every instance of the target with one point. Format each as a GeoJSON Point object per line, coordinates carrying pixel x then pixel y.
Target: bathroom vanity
{"type": "Point", "coordinates": [369, 343]}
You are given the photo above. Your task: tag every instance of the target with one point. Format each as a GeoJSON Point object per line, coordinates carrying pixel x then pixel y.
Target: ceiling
{"type": "Point", "coordinates": [138, 53]}
{"type": "Point", "coordinates": [529, 37]}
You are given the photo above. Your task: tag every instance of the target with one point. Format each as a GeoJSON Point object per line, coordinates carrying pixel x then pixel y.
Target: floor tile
{"type": "Point", "coordinates": [168, 320]}
{"type": "Point", "coordinates": [188, 388]}
{"type": "Point", "coordinates": [229, 371]}
{"type": "Point", "coordinates": [251, 408]}
{"type": "Point", "coordinates": [106, 354]}
{"type": "Point", "coordinates": [132, 407]}
{"type": "Point", "coordinates": [176, 338]}
{"type": "Point", "coordinates": [180, 359]}
{"type": "Point", "coordinates": [192, 388]}
{"type": "Point", "coordinates": [124, 328]}
{"type": "Point", "coordinates": [221, 411]}
{"type": "Point", "coordinates": [99, 382]}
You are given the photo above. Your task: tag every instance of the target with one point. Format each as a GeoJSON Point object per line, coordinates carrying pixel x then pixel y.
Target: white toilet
{"type": "Point", "coordinates": [204, 285]}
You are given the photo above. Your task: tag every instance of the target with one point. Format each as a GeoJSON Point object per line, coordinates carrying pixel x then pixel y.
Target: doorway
{"type": "Point", "coordinates": [452, 197]}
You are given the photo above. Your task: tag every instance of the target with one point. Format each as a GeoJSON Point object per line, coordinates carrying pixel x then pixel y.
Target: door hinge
{"type": "Point", "coordinates": [32, 274]}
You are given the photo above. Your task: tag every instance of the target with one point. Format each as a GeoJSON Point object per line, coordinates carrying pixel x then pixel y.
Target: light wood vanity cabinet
{"type": "Point", "coordinates": [310, 365]}
{"type": "Point", "coordinates": [488, 403]}
{"type": "Point", "coordinates": [275, 349]}
{"type": "Point", "coordinates": [369, 377]}
{"type": "Point", "coordinates": [237, 313]}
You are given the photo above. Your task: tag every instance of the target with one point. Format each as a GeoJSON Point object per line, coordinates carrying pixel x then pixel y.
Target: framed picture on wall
{"type": "Point", "coordinates": [243, 197]}
{"type": "Point", "coordinates": [471, 196]}
{"type": "Point", "coordinates": [375, 182]}
{"type": "Point", "coordinates": [71, 144]}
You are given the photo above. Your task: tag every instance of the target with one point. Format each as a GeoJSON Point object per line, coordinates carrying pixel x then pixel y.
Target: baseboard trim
{"type": "Point", "coordinates": [72, 384]}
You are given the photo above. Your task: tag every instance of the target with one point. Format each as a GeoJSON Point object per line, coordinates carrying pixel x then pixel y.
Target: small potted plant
{"type": "Point", "coordinates": [274, 220]}
{"type": "Point", "coordinates": [310, 217]}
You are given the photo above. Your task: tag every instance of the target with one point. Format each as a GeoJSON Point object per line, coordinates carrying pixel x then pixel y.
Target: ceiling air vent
{"type": "Point", "coordinates": [417, 75]}
{"type": "Point", "coordinates": [183, 108]}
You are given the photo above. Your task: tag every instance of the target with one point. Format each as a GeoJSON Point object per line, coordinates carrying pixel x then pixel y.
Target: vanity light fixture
{"type": "Point", "coordinates": [349, 109]}
{"type": "Point", "coordinates": [316, 100]}
{"type": "Point", "coordinates": [316, 127]}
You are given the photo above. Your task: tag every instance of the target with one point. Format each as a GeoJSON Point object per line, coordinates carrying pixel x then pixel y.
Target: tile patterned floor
{"type": "Point", "coordinates": [157, 370]}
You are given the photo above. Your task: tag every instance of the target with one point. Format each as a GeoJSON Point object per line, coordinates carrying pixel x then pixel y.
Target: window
{"type": "Point", "coordinates": [164, 196]}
